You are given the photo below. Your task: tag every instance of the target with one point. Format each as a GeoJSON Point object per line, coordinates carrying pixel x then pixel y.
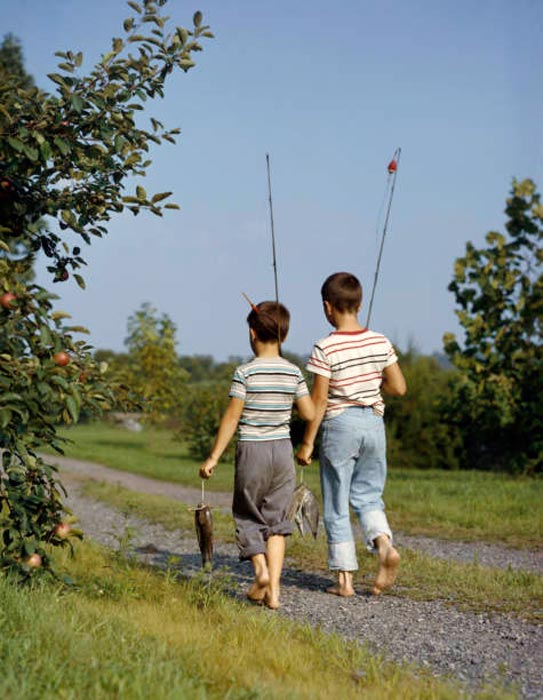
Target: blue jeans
{"type": "Point", "coordinates": [353, 471]}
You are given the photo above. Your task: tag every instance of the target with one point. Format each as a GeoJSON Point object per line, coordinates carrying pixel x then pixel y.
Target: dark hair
{"type": "Point", "coordinates": [343, 291]}
{"type": "Point", "coordinates": [270, 322]}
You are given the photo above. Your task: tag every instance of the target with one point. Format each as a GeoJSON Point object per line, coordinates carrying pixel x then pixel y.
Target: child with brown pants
{"type": "Point", "coordinates": [261, 397]}
{"type": "Point", "coordinates": [352, 366]}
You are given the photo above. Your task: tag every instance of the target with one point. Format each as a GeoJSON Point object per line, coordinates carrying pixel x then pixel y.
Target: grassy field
{"type": "Point", "coordinates": [463, 505]}
{"type": "Point", "coordinates": [124, 631]}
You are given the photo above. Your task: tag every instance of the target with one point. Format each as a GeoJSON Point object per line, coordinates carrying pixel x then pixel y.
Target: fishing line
{"type": "Point", "coordinates": [391, 183]}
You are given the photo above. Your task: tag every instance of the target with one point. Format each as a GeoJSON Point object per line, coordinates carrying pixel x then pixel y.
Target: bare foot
{"type": "Point", "coordinates": [344, 585]}
{"type": "Point", "coordinates": [389, 563]}
{"type": "Point", "coordinates": [258, 589]}
{"type": "Point", "coordinates": [336, 590]}
{"type": "Point", "coordinates": [271, 600]}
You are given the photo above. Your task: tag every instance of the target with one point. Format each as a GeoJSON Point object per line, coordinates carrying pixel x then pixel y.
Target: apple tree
{"type": "Point", "coordinates": [66, 160]}
{"type": "Point", "coordinates": [497, 398]}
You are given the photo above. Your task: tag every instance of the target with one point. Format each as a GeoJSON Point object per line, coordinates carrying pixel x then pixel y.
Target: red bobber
{"type": "Point", "coordinates": [392, 166]}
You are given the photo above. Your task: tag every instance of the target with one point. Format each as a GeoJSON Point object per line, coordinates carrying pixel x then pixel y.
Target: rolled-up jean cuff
{"type": "Point", "coordinates": [342, 556]}
{"type": "Point", "coordinates": [374, 523]}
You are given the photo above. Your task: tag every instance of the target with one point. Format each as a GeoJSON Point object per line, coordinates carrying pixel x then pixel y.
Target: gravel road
{"type": "Point", "coordinates": [470, 647]}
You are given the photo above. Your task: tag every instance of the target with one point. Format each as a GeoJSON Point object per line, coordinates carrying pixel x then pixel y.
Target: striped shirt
{"type": "Point", "coordinates": [353, 361]}
{"type": "Point", "coordinates": [268, 386]}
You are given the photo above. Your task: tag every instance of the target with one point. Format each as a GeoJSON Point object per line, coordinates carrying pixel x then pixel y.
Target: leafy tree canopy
{"type": "Point", "coordinates": [499, 291]}
{"type": "Point", "coordinates": [65, 158]}
{"type": "Point", "coordinates": [153, 369]}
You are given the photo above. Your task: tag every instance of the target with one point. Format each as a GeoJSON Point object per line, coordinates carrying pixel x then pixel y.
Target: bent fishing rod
{"type": "Point", "coordinates": [391, 183]}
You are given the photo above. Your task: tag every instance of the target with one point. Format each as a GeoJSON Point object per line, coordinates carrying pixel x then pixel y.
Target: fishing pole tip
{"type": "Point", "coordinates": [392, 167]}
{"type": "Point", "coordinates": [253, 306]}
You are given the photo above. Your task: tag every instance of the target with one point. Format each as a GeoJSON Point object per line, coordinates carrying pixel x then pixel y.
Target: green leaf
{"type": "Point", "coordinates": [10, 396]}
{"type": "Point", "coordinates": [68, 217]}
{"type": "Point", "coordinates": [16, 144]}
{"type": "Point", "coordinates": [59, 381]}
{"type": "Point", "coordinates": [135, 6]}
{"type": "Point", "coordinates": [56, 78]}
{"type": "Point", "coordinates": [77, 103]}
{"type": "Point", "coordinates": [80, 281]}
{"type": "Point", "coordinates": [160, 197]}
{"type": "Point", "coordinates": [45, 335]}
{"type": "Point", "coordinates": [183, 35]}
{"type": "Point", "coordinates": [197, 19]}
{"type": "Point", "coordinates": [141, 193]}
{"type": "Point", "coordinates": [31, 153]}
{"type": "Point", "coordinates": [57, 315]}
{"type": "Point", "coordinates": [72, 408]}
{"type": "Point", "coordinates": [45, 150]}
{"type": "Point", "coordinates": [62, 146]}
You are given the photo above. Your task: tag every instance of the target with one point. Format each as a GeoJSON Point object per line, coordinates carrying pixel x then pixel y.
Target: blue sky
{"type": "Point", "coordinates": [329, 90]}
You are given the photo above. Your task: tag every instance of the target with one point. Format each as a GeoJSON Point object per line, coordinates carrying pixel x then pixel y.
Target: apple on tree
{"type": "Point", "coordinates": [34, 561]}
{"type": "Point", "coordinates": [7, 299]}
{"type": "Point", "coordinates": [62, 530]}
{"type": "Point", "coordinates": [61, 358]}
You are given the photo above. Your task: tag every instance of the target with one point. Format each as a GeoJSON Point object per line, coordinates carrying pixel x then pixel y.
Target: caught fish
{"type": "Point", "coordinates": [204, 531]}
{"type": "Point", "coordinates": [304, 509]}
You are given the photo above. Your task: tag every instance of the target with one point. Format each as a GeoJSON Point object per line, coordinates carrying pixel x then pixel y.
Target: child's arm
{"type": "Point", "coordinates": [319, 395]}
{"type": "Point", "coordinates": [227, 428]}
{"type": "Point", "coordinates": [393, 381]}
{"type": "Point", "coordinates": [306, 407]}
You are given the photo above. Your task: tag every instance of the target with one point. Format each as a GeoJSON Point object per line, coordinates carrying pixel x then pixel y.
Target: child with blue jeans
{"type": "Point", "coordinates": [352, 366]}
{"type": "Point", "coordinates": [261, 398]}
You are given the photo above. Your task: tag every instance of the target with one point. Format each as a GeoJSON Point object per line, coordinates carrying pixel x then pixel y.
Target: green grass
{"type": "Point", "coordinates": [466, 586]}
{"type": "Point", "coordinates": [125, 631]}
{"type": "Point", "coordinates": [153, 453]}
{"type": "Point", "coordinates": [467, 505]}
{"type": "Point", "coordinates": [463, 505]}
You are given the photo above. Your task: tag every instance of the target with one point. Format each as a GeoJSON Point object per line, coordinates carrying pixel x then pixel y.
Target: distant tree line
{"type": "Point", "coordinates": [476, 406]}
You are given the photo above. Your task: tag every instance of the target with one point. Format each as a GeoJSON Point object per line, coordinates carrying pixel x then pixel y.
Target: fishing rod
{"type": "Point", "coordinates": [272, 229]}
{"type": "Point", "coordinates": [392, 170]}
{"type": "Point", "coordinates": [273, 248]}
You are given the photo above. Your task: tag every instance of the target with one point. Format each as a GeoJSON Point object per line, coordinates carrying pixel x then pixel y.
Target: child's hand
{"type": "Point", "coordinates": [303, 456]}
{"type": "Point", "coordinates": [208, 467]}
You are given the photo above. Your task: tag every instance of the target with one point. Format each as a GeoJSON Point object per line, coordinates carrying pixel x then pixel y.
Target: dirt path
{"type": "Point", "coordinates": [484, 553]}
{"type": "Point", "coordinates": [473, 648]}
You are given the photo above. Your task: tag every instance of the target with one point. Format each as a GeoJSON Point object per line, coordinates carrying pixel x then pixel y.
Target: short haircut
{"type": "Point", "coordinates": [343, 291]}
{"type": "Point", "coordinates": [270, 322]}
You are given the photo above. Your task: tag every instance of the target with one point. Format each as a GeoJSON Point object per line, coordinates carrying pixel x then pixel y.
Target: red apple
{"type": "Point", "coordinates": [7, 300]}
{"type": "Point", "coordinates": [34, 561]}
{"type": "Point", "coordinates": [61, 358]}
{"type": "Point", "coordinates": [62, 530]}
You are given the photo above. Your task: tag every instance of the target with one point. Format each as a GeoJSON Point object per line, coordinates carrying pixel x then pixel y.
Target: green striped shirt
{"type": "Point", "coordinates": [268, 386]}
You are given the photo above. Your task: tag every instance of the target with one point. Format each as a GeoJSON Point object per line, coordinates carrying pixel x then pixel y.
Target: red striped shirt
{"type": "Point", "coordinates": [353, 361]}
